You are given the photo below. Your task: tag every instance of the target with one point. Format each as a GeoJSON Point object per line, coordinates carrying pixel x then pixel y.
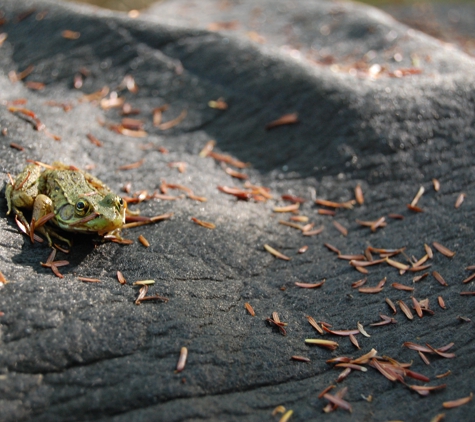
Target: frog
{"type": "Point", "coordinates": [72, 199]}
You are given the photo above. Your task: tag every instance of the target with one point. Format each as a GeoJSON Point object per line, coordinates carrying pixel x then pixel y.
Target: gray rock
{"type": "Point", "coordinates": [75, 351]}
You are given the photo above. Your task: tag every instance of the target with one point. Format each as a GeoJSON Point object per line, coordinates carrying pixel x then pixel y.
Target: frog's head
{"type": "Point", "coordinates": [93, 214]}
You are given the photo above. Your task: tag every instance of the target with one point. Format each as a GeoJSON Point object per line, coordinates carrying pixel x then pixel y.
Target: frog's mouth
{"type": "Point", "coordinates": [99, 225]}
{"type": "Point", "coordinates": [90, 217]}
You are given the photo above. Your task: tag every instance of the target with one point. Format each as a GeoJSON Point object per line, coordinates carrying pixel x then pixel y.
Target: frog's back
{"type": "Point", "coordinates": [67, 186]}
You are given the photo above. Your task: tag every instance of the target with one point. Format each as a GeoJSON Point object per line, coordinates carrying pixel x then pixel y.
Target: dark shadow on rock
{"type": "Point", "coordinates": [82, 246]}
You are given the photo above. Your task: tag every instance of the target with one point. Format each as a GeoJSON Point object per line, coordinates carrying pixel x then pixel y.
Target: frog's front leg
{"type": "Point", "coordinates": [42, 206]}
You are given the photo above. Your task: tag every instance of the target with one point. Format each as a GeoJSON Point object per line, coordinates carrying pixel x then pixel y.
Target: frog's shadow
{"type": "Point", "coordinates": [33, 254]}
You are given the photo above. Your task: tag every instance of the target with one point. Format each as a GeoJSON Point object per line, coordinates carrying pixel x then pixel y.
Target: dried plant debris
{"type": "Point", "coordinates": [441, 351]}
{"type": "Point", "coordinates": [405, 309]}
{"type": "Point", "coordinates": [250, 309]}
{"type": "Point", "coordinates": [143, 241]}
{"type": "Point", "coordinates": [276, 253]}
{"type": "Point", "coordinates": [89, 279]}
{"type": "Point", "coordinates": [359, 197]}
{"type": "Point", "coordinates": [362, 330]}
{"type": "Point", "coordinates": [300, 358]}
{"type": "Point", "coordinates": [340, 332]}
{"type": "Point", "coordinates": [3, 279]}
{"type": "Point", "coordinates": [286, 119]}
{"type": "Point", "coordinates": [174, 122]}
{"type": "Point", "coordinates": [131, 166]}
{"type": "Point", "coordinates": [315, 325]}
{"type": "Point", "coordinates": [385, 321]}
{"type": "Point", "coordinates": [121, 278]}
{"type": "Point", "coordinates": [399, 286]}
{"type": "Point", "coordinates": [443, 250]}
{"type": "Point", "coordinates": [290, 224]}
{"type": "Point", "coordinates": [312, 232]}
{"type": "Point", "coordinates": [202, 223]}
{"type": "Point", "coordinates": [51, 263]}
{"type": "Point", "coordinates": [275, 320]}
{"type": "Point", "coordinates": [293, 198]}
{"type": "Point", "coordinates": [391, 305]}
{"type": "Point", "coordinates": [468, 279]}
{"type": "Point", "coordinates": [459, 200]}
{"type": "Point", "coordinates": [288, 208]}
{"type": "Point", "coordinates": [418, 196]}
{"type": "Point", "coordinates": [336, 401]}
{"type": "Point", "coordinates": [343, 230]}
{"type": "Point", "coordinates": [328, 344]}
{"type": "Point", "coordinates": [219, 104]}
{"type": "Point", "coordinates": [142, 297]}
{"type": "Point", "coordinates": [286, 416]}
{"type": "Point", "coordinates": [439, 278]}
{"type": "Point", "coordinates": [372, 290]}
{"type": "Point", "coordinates": [70, 35]}
{"type": "Point", "coordinates": [332, 248]}
{"type": "Point", "coordinates": [359, 283]}
{"type": "Point", "coordinates": [182, 359]}
{"type": "Point", "coordinates": [459, 402]}
{"type": "Point", "coordinates": [278, 409]}
{"type": "Point", "coordinates": [310, 285]}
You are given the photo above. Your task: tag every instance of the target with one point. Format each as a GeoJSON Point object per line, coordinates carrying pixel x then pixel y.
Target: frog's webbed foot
{"type": "Point", "coordinates": [49, 232]}
{"type": "Point", "coordinates": [116, 237]}
{"type": "Point", "coordinates": [20, 216]}
{"type": "Point", "coordinates": [22, 222]}
{"type": "Point", "coordinates": [114, 234]}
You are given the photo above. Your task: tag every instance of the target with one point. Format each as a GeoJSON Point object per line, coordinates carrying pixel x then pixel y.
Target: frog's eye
{"type": "Point", "coordinates": [81, 207]}
{"type": "Point", "coordinates": [120, 203]}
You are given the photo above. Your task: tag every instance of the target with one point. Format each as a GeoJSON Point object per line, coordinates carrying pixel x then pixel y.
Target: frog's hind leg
{"type": "Point", "coordinates": [8, 196]}
{"type": "Point", "coordinates": [12, 207]}
{"type": "Point", "coordinates": [22, 192]}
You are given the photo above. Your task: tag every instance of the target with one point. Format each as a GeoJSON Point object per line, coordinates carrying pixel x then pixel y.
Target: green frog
{"type": "Point", "coordinates": [71, 199]}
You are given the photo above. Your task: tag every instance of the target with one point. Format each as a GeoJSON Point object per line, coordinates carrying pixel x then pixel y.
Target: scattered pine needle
{"type": "Point", "coordinates": [459, 200]}
{"type": "Point", "coordinates": [182, 359]}
{"type": "Point", "coordinates": [457, 403]}
{"type": "Point", "coordinates": [174, 122]}
{"type": "Point", "coordinates": [203, 223]}
{"type": "Point", "coordinates": [131, 166]}
{"type": "Point", "coordinates": [121, 278]}
{"type": "Point", "coordinates": [359, 194]}
{"type": "Point", "coordinates": [89, 280]}
{"type": "Point", "coordinates": [250, 309]}
{"type": "Point", "coordinates": [328, 344]}
{"type": "Point", "coordinates": [310, 285]}
{"type": "Point", "coordinates": [443, 250]}
{"type": "Point", "coordinates": [143, 241]}
{"type": "Point", "coordinates": [286, 119]}
{"type": "Point", "coordinates": [276, 253]}
{"type": "Point", "coordinates": [70, 35]}
{"type": "Point", "coordinates": [3, 280]}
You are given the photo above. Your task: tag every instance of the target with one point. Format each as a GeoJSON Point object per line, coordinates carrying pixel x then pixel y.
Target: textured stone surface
{"type": "Point", "coordinates": [449, 22]}
{"type": "Point", "coordinates": [79, 351]}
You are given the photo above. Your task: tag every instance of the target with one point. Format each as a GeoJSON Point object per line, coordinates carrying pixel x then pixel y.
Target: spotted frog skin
{"type": "Point", "coordinates": [80, 202]}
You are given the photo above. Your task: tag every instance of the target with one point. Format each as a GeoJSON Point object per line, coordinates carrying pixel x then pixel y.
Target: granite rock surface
{"type": "Point", "coordinates": [378, 104]}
